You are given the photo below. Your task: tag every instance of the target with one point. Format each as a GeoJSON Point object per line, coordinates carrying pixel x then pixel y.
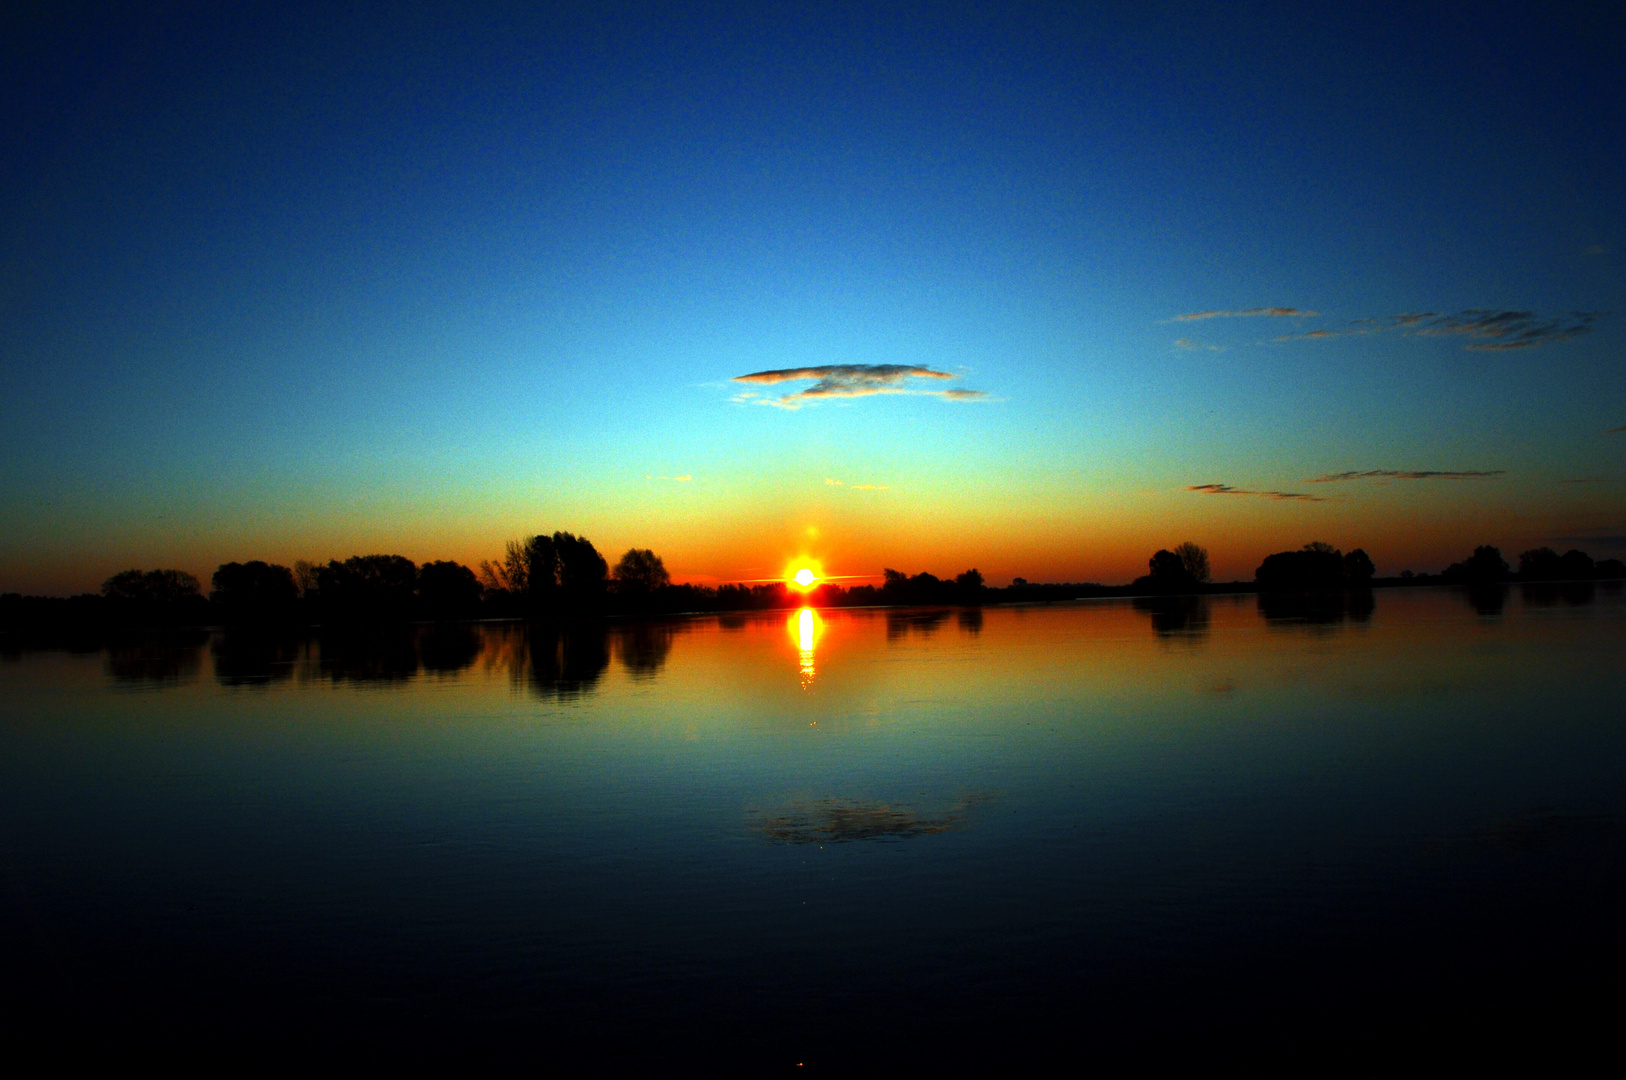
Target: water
{"type": "Point", "coordinates": [1348, 837]}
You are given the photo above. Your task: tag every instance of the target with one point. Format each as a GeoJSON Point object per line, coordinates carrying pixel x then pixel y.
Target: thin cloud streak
{"type": "Point", "coordinates": [1279, 312]}
{"type": "Point", "coordinates": [1409, 474]}
{"type": "Point", "coordinates": [1227, 489]}
{"type": "Point", "coordinates": [848, 381]}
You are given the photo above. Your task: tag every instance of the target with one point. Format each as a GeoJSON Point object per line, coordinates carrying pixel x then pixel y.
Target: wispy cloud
{"type": "Point", "coordinates": [1586, 480]}
{"type": "Point", "coordinates": [1318, 335]}
{"type": "Point", "coordinates": [1282, 312]}
{"type": "Point", "coordinates": [854, 487]}
{"type": "Point", "coordinates": [847, 381]}
{"type": "Point", "coordinates": [1410, 474]}
{"type": "Point", "coordinates": [1617, 430]}
{"type": "Point", "coordinates": [1488, 329]}
{"type": "Point", "coordinates": [1227, 489]}
{"type": "Point", "coordinates": [1193, 344]}
{"type": "Point", "coordinates": [684, 479]}
{"type": "Point", "coordinates": [1500, 330]}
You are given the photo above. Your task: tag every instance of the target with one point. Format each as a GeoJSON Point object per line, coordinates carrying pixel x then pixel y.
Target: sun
{"type": "Point", "coordinates": [804, 578]}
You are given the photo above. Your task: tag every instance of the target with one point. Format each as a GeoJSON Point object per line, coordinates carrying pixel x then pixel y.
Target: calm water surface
{"type": "Point", "coordinates": [1373, 833]}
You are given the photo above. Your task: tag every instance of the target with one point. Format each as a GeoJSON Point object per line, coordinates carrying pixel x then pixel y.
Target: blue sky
{"type": "Point", "coordinates": [295, 284]}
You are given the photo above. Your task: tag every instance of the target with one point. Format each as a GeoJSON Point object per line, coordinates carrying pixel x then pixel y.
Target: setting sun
{"type": "Point", "coordinates": [805, 578]}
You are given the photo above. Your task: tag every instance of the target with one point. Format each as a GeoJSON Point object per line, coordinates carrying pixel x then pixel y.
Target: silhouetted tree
{"type": "Point", "coordinates": [1358, 569]}
{"type": "Point", "coordinates": [254, 591]}
{"type": "Point", "coordinates": [640, 572]}
{"type": "Point", "coordinates": [552, 575]}
{"type": "Point", "coordinates": [306, 576]}
{"type": "Point", "coordinates": [1540, 564]}
{"type": "Point", "coordinates": [582, 571]}
{"type": "Point", "coordinates": [154, 597]}
{"type": "Point", "coordinates": [1610, 569]}
{"type": "Point", "coordinates": [151, 586]}
{"type": "Point", "coordinates": [511, 573]}
{"type": "Point", "coordinates": [448, 590]}
{"type": "Point", "coordinates": [1316, 566]}
{"type": "Point", "coordinates": [1168, 574]}
{"type": "Point", "coordinates": [368, 587]}
{"type": "Point", "coordinates": [1575, 566]}
{"type": "Point", "coordinates": [899, 588]}
{"type": "Point", "coordinates": [1484, 566]}
{"type": "Point", "coordinates": [1195, 559]}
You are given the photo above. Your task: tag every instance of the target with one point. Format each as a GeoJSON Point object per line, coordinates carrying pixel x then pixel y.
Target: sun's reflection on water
{"type": "Point", "coordinates": [805, 627]}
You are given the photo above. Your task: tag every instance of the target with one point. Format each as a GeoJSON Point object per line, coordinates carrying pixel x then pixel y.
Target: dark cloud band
{"type": "Point", "coordinates": [1410, 474]}
{"type": "Point", "coordinates": [1280, 312]}
{"type": "Point", "coordinates": [1227, 489]}
{"type": "Point", "coordinates": [1488, 329]}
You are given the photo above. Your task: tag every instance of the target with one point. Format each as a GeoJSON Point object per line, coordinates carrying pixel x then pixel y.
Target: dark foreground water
{"type": "Point", "coordinates": [1372, 837]}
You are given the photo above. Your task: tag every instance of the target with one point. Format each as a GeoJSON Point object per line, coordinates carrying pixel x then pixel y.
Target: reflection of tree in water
{"type": "Point", "coordinates": [447, 648]}
{"type": "Point", "coordinates": [566, 662]}
{"type": "Point", "coordinates": [1487, 600]}
{"type": "Point", "coordinates": [924, 623]}
{"type": "Point", "coordinates": [1317, 608]}
{"type": "Point", "coordinates": [644, 647]}
{"type": "Point", "coordinates": [156, 659]}
{"type": "Point", "coordinates": [251, 658]}
{"type": "Point", "coordinates": [372, 654]}
{"type": "Point", "coordinates": [970, 620]}
{"type": "Point", "coordinates": [1551, 593]}
{"type": "Point", "coordinates": [840, 821]}
{"type": "Point", "coordinates": [1175, 616]}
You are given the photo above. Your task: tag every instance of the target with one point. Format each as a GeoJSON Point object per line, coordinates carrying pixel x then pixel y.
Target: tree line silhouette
{"type": "Point", "coordinates": [561, 576]}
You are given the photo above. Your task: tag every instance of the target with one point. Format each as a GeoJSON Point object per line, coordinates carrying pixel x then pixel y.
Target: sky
{"type": "Point", "coordinates": [1035, 289]}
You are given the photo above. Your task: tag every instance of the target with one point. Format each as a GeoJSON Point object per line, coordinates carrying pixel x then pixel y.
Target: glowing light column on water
{"type": "Point", "coordinates": [805, 629]}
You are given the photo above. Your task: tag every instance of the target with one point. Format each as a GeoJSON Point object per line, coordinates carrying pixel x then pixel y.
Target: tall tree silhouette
{"type": "Point", "coordinates": [1194, 557]}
